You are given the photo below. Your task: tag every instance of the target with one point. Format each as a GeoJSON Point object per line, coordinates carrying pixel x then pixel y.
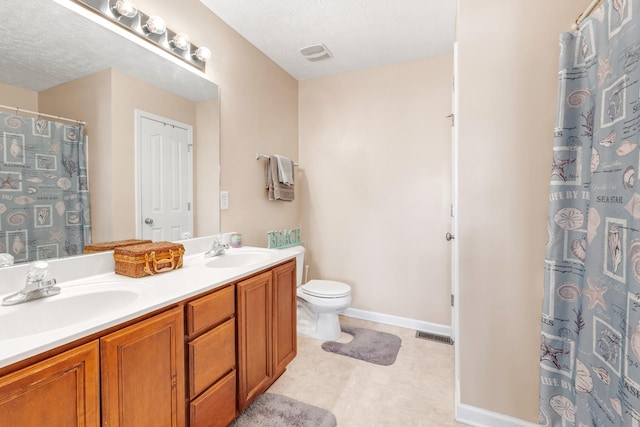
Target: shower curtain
{"type": "Point", "coordinates": [44, 194]}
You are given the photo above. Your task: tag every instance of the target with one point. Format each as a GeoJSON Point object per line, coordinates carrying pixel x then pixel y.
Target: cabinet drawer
{"type": "Point", "coordinates": [211, 356]}
{"type": "Point", "coordinates": [210, 310]}
{"type": "Point", "coordinates": [217, 406]}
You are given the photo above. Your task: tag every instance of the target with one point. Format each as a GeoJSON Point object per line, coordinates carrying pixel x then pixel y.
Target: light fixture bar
{"type": "Point", "coordinates": [150, 28]}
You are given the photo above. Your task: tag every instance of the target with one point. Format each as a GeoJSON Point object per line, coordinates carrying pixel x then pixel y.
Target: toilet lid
{"type": "Point", "coordinates": [326, 289]}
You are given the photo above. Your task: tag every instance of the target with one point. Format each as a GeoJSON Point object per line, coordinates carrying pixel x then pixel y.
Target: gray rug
{"type": "Point", "coordinates": [275, 410]}
{"type": "Point", "coordinates": [376, 347]}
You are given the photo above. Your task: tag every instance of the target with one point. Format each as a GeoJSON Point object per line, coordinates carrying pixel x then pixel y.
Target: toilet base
{"type": "Point", "coordinates": [320, 326]}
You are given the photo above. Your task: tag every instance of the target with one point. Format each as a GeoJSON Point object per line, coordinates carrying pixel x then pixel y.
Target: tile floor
{"type": "Point", "coordinates": [416, 391]}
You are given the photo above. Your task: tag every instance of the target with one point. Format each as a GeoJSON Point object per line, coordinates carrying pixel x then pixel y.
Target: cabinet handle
{"type": "Point", "coordinates": [449, 237]}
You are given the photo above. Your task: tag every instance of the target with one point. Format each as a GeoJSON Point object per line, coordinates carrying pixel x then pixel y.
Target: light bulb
{"type": "Point", "coordinates": [126, 8]}
{"type": "Point", "coordinates": [203, 54]}
{"type": "Point", "coordinates": [156, 25]}
{"type": "Point", "coordinates": [181, 41]}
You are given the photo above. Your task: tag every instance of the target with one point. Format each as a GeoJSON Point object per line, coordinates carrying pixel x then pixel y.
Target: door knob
{"type": "Point", "coordinates": [449, 237]}
{"type": "Point", "coordinates": [148, 221]}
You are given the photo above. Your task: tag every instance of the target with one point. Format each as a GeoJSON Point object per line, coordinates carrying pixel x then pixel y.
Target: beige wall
{"type": "Point", "coordinates": [207, 168]}
{"type": "Point", "coordinates": [508, 53]}
{"type": "Point", "coordinates": [13, 96]}
{"type": "Point", "coordinates": [375, 152]}
{"type": "Point", "coordinates": [258, 113]}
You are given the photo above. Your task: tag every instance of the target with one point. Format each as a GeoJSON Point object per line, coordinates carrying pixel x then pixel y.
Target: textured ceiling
{"type": "Point", "coordinates": [359, 33]}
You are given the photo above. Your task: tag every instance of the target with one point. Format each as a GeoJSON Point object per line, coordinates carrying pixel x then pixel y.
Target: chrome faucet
{"type": "Point", "coordinates": [217, 248]}
{"type": "Point", "coordinates": [38, 286]}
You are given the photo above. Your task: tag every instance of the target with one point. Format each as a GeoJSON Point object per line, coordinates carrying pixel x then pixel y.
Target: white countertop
{"type": "Point", "coordinates": [153, 293]}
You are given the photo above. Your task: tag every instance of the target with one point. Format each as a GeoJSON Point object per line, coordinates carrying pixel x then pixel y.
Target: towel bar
{"type": "Point", "coordinates": [266, 156]}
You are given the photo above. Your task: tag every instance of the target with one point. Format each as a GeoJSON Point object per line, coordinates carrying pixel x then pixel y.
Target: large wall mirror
{"type": "Point", "coordinates": [58, 59]}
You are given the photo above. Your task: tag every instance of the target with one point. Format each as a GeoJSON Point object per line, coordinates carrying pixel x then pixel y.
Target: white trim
{"type": "Point", "coordinates": [455, 264]}
{"type": "Point", "coordinates": [479, 417]}
{"type": "Point", "coordinates": [402, 322]}
{"type": "Point", "coordinates": [454, 203]}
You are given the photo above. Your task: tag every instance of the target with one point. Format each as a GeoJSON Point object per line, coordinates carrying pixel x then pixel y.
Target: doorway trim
{"type": "Point", "coordinates": [139, 115]}
{"type": "Point", "coordinates": [455, 269]}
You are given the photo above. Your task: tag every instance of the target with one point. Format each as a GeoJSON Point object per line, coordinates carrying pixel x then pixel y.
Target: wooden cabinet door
{"type": "Point", "coordinates": [255, 366]}
{"type": "Point", "coordinates": [62, 391]}
{"type": "Point", "coordinates": [143, 376]}
{"type": "Point", "coordinates": [284, 316]}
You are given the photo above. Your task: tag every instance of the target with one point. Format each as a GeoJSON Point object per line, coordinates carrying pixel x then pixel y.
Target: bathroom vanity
{"type": "Point", "coordinates": [207, 342]}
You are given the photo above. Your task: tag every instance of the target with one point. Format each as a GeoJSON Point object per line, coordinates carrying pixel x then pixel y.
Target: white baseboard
{"type": "Point", "coordinates": [478, 417]}
{"type": "Point", "coordinates": [402, 322]}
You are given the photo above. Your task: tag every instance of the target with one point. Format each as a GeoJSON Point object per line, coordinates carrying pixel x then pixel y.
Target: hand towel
{"type": "Point", "coordinates": [277, 190]}
{"type": "Point", "coordinates": [285, 169]}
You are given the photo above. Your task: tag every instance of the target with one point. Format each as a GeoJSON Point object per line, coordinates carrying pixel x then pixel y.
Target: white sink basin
{"type": "Point", "coordinates": [73, 305]}
{"type": "Point", "coordinates": [235, 258]}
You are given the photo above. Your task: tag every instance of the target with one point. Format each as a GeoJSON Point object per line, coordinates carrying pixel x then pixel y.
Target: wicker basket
{"type": "Point", "coordinates": [148, 258]}
{"type": "Point", "coordinates": [109, 246]}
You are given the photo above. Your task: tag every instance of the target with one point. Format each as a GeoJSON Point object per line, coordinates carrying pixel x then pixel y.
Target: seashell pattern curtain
{"type": "Point", "coordinates": [44, 194]}
{"type": "Point", "coordinates": [590, 333]}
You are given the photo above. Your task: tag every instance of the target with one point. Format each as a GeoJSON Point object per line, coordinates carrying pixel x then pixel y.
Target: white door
{"type": "Point", "coordinates": [165, 178]}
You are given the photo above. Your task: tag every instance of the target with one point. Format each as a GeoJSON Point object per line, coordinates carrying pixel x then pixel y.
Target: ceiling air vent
{"type": "Point", "coordinates": [316, 52]}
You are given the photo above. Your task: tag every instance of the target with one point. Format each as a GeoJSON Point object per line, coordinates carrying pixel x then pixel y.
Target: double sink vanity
{"type": "Point", "coordinates": [193, 346]}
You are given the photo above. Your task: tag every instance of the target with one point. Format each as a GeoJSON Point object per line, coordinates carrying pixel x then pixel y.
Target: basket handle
{"type": "Point", "coordinates": [150, 260]}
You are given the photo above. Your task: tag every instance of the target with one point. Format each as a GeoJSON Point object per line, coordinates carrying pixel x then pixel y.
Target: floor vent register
{"type": "Point", "coordinates": [434, 337]}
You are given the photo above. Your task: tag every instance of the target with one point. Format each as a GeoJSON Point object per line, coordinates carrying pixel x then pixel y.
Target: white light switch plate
{"type": "Point", "coordinates": [224, 200]}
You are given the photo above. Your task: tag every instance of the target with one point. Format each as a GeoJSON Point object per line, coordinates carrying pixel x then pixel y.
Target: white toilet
{"type": "Point", "coordinates": [319, 303]}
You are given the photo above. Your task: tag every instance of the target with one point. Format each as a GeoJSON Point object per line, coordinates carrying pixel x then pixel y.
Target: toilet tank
{"type": "Point", "coordinates": [299, 251]}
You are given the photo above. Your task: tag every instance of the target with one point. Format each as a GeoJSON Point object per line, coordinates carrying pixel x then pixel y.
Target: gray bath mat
{"type": "Point", "coordinates": [275, 410]}
{"type": "Point", "coordinates": [376, 347]}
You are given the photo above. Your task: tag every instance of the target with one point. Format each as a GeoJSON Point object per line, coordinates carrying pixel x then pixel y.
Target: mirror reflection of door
{"type": "Point", "coordinates": [165, 178]}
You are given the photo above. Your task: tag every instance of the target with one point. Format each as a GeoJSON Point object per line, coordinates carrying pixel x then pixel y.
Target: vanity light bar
{"type": "Point", "coordinates": [151, 28]}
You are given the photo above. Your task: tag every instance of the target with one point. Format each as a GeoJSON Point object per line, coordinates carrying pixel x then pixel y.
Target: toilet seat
{"type": "Point", "coordinates": [326, 289]}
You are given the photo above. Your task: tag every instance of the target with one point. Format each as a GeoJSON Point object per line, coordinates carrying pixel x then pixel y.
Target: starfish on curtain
{"type": "Point", "coordinates": [558, 165]}
{"type": "Point", "coordinates": [57, 235]}
{"type": "Point", "coordinates": [595, 295]}
{"type": "Point", "coordinates": [604, 69]}
{"type": "Point", "coordinates": [550, 354]}
{"type": "Point", "coordinates": [9, 182]}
